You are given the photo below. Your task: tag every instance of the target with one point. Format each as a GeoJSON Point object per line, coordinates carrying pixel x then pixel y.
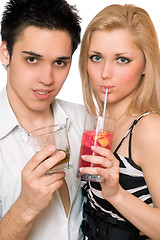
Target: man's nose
{"type": "Point", "coordinates": [47, 75]}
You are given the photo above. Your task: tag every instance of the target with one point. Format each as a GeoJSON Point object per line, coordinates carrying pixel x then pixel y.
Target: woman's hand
{"type": "Point", "coordinates": [109, 170]}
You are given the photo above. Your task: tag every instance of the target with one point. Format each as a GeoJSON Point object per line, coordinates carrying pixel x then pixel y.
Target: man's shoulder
{"type": "Point", "coordinates": [72, 108]}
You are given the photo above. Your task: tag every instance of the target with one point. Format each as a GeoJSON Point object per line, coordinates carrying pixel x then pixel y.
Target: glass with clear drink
{"type": "Point", "coordinates": [52, 135]}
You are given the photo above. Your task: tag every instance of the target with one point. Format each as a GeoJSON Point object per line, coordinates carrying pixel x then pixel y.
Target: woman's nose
{"type": "Point", "coordinates": [106, 71]}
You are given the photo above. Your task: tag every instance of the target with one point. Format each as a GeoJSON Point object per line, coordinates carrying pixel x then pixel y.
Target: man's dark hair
{"type": "Point", "coordinates": [50, 14]}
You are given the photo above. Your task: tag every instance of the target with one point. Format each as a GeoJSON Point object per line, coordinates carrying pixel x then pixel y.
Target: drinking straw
{"type": "Point", "coordinates": [100, 123]}
{"type": "Point", "coordinates": [105, 102]}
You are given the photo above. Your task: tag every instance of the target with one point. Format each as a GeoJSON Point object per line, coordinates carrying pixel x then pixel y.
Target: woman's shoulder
{"type": "Point", "coordinates": [149, 121]}
{"type": "Point", "coordinates": [148, 128]}
{"type": "Point", "coordinates": [146, 139]}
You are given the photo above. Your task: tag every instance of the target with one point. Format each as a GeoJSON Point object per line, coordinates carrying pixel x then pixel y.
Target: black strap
{"type": "Point", "coordinates": [130, 130]}
{"type": "Point", "coordinates": [130, 137]}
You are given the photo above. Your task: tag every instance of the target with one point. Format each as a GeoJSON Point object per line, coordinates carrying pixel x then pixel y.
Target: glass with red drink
{"type": "Point", "coordinates": [98, 131]}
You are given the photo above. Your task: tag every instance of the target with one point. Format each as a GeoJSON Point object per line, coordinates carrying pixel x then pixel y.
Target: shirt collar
{"type": "Point", "coordinates": [60, 116]}
{"type": "Point", "coordinates": [8, 119]}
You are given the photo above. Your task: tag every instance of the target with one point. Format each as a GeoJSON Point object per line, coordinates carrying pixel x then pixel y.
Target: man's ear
{"type": "Point", "coordinates": [4, 54]}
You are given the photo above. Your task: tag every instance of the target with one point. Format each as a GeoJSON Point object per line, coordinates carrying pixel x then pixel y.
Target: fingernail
{"type": "Point", "coordinates": [83, 157]}
{"type": "Point", "coordinates": [51, 148]}
{"type": "Point", "coordinates": [62, 154]}
{"type": "Point", "coordinates": [81, 169]}
{"type": "Point", "coordinates": [93, 147]}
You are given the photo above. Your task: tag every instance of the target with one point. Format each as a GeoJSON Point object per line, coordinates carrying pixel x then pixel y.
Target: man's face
{"type": "Point", "coordinates": [38, 67]}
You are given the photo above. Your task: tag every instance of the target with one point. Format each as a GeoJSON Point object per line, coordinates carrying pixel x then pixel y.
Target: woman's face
{"type": "Point", "coordinates": [116, 63]}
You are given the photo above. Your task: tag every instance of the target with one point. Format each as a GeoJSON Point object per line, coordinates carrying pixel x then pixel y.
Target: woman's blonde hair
{"type": "Point", "coordinates": [136, 20]}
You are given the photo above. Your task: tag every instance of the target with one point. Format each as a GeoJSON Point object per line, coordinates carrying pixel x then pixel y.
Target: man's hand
{"type": "Point", "coordinates": [38, 188]}
{"type": "Point", "coordinates": [36, 193]}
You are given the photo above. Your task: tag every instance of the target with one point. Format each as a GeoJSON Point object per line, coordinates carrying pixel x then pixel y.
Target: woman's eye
{"type": "Point", "coordinates": [95, 58]}
{"type": "Point", "coordinates": [123, 60]}
{"type": "Point", "coordinates": [32, 60]}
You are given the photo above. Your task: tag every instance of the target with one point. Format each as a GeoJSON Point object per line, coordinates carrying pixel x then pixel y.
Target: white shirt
{"type": "Point", "coordinates": [15, 152]}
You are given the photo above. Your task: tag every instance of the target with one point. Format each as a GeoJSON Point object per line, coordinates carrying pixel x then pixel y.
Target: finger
{"type": "Point", "coordinates": [39, 157]}
{"type": "Point", "coordinates": [104, 173]}
{"type": "Point", "coordinates": [56, 185]}
{"type": "Point", "coordinates": [98, 160]}
{"type": "Point", "coordinates": [103, 152]}
{"type": "Point", "coordinates": [107, 154]}
{"type": "Point", "coordinates": [96, 171]}
{"type": "Point", "coordinates": [49, 163]}
{"type": "Point", "coordinates": [89, 170]}
{"type": "Point", "coordinates": [52, 178]}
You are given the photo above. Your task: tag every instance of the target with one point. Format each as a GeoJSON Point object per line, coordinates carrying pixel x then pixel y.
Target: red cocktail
{"type": "Point", "coordinates": [93, 138]}
{"type": "Point", "coordinates": [98, 131]}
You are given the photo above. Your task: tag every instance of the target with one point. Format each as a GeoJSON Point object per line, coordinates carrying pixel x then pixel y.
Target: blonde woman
{"type": "Point", "coordinates": [120, 52]}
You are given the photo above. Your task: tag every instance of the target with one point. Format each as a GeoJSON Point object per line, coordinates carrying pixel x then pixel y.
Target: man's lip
{"type": "Point", "coordinates": [42, 93]}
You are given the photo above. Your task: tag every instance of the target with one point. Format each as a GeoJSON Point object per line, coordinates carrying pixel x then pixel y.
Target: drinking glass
{"type": "Point", "coordinates": [52, 135]}
{"type": "Point", "coordinates": [98, 131]}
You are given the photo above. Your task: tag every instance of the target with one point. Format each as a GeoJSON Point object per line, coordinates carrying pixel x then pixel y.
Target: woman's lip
{"type": "Point", "coordinates": [103, 88]}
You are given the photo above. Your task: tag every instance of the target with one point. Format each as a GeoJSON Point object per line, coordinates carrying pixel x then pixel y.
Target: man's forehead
{"type": "Point", "coordinates": [41, 42]}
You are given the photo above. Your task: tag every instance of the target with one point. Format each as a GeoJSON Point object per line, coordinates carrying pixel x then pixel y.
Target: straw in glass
{"type": "Point", "coordinates": [100, 123]}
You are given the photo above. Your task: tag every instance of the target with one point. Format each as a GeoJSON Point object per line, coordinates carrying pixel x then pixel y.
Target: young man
{"type": "Point", "coordinates": [38, 40]}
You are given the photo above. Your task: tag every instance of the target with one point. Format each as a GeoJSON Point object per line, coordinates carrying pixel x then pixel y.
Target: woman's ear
{"type": "Point", "coordinates": [4, 54]}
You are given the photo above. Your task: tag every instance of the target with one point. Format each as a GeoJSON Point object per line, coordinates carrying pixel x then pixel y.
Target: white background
{"type": "Point", "coordinates": [71, 90]}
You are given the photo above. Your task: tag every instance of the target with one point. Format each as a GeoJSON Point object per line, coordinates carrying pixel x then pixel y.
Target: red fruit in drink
{"type": "Point", "coordinates": [94, 138]}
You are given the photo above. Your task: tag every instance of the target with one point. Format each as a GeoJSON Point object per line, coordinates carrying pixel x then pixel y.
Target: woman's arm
{"type": "Point", "coordinates": [146, 138]}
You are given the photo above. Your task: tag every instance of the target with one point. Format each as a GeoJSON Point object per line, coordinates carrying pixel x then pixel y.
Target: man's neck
{"type": "Point", "coordinates": [29, 118]}
{"type": "Point", "coordinates": [36, 120]}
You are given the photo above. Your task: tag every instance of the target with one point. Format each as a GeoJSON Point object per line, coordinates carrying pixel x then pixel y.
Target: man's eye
{"type": "Point", "coordinates": [95, 58]}
{"type": "Point", "coordinates": [60, 63]}
{"type": "Point", "coordinates": [123, 60]}
{"type": "Point", "coordinates": [31, 59]}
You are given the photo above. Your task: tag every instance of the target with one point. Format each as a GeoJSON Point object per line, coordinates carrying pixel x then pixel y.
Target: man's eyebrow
{"type": "Point", "coordinates": [32, 53]}
{"type": "Point", "coordinates": [64, 58]}
{"type": "Point", "coordinates": [38, 55]}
